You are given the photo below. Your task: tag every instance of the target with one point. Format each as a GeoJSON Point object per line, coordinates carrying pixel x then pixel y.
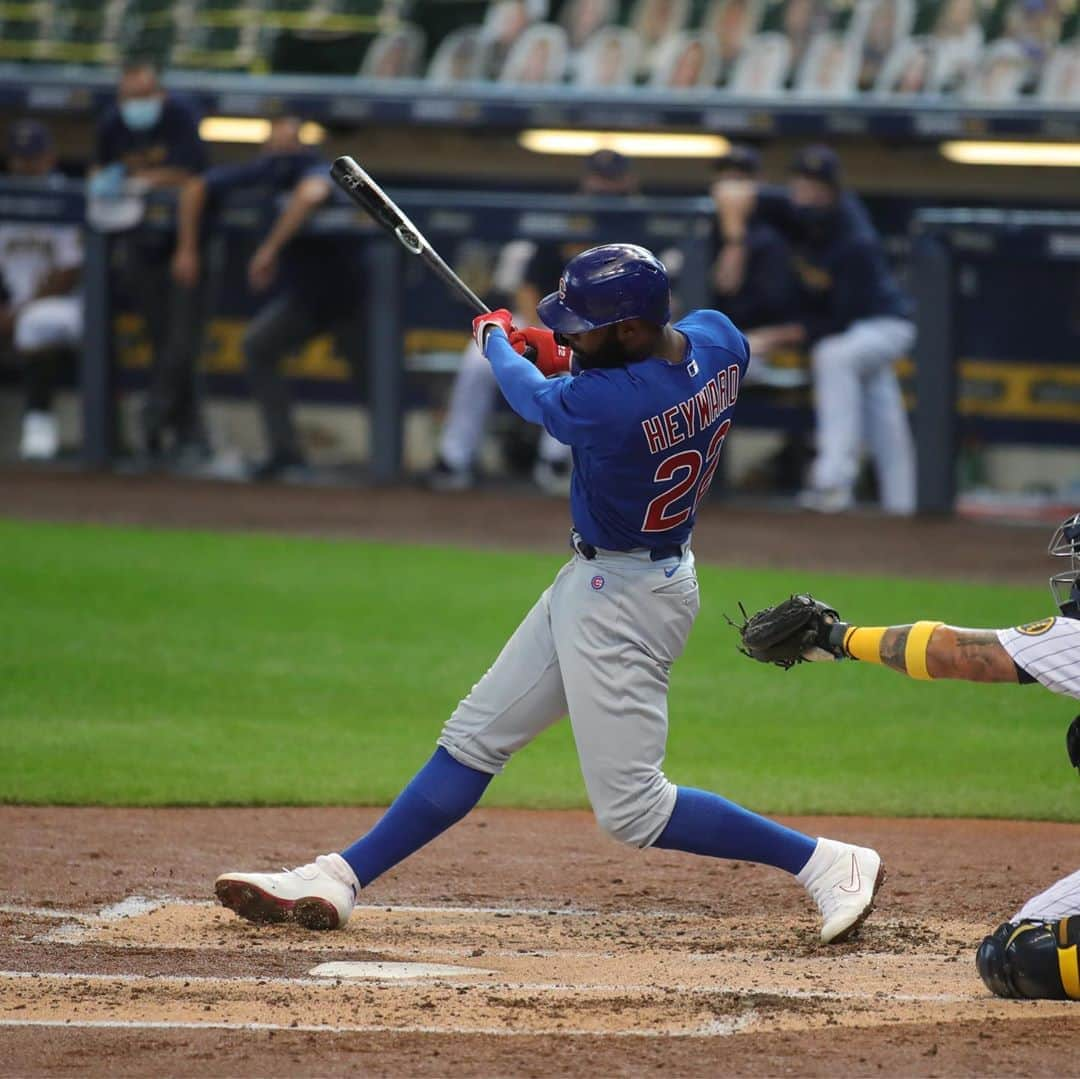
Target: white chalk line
{"type": "Point", "coordinates": [487, 986]}
{"type": "Point", "coordinates": [712, 1029]}
{"type": "Point", "coordinates": [183, 980]}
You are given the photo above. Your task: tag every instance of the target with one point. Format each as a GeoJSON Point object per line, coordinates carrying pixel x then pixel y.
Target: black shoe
{"type": "Point", "coordinates": [276, 466]}
{"type": "Point", "coordinates": [444, 479]}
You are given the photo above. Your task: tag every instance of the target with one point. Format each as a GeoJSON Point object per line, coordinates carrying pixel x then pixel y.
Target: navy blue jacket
{"type": "Point", "coordinates": [768, 294]}
{"type": "Point", "coordinates": [838, 262]}
{"type": "Point", "coordinates": [174, 140]}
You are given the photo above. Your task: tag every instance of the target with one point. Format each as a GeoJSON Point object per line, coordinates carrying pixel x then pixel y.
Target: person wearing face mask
{"type": "Point", "coordinates": [852, 317]}
{"type": "Point", "coordinates": [313, 284]}
{"type": "Point", "coordinates": [149, 140]}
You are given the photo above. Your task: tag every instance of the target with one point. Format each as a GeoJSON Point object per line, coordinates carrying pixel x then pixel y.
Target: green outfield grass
{"type": "Point", "coordinates": [154, 667]}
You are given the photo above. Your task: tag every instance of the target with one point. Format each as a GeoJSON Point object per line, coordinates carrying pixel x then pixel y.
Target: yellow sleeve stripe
{"type": "Point", "coordinates": [1070, 972]}
{"type": "Point", "coordinates": [864, 642]}
{"type": "Point", "coordinates": [915, 650]}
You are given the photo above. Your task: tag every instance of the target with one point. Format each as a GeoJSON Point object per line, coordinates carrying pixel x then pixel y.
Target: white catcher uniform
{"type": "Point", "coordinates": [29, 251]}
{"type": "Point", "coordinates": [1049, 651]}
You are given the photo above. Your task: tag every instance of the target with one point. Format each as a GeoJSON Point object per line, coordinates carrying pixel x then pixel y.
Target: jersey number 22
{"type": "Point", "coordinates": [697, 475]}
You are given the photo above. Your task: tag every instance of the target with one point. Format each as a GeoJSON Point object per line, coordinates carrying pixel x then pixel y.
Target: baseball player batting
{"type": "Point", "coordinates": [1034, 954]}
{"type": "Point", "coordinates": [645, 407]}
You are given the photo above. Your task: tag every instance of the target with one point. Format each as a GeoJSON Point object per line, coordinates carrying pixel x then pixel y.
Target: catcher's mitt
{"type": "Point", "coordinates": [784, 634]}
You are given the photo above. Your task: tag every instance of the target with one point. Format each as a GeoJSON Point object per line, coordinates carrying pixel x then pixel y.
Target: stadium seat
{"type": "Point", "coordinates": [908, 69]}
{"type": "Point", "coordinates": [22, 34]}
{"type": "Point", "coordinates": [762, 66]}
{"type": "Point", "coordinates": [581, 19]}
{"type": "Point", "coordinates": [610, 58]}
{"type": "Point", "coordinates": [538, 56]}
{"type": "Point", "coordinates": [394, 54]}
{"type": "Point", "coordinates": [877, 27]}
{"type": "Point", "coordinates": [79, 33]}
{"type": "Point", "coordinates": [504, 23]}
{"type": "Point", "coordinates": [1060, 81]}
{"type": "Point", "coordinates": [957, 26]}
{"type": "Point", "coordinates": [829, 68]}
{"type": "Point", "coordinates": [731, 23]}
{"type": "Point", "coordinates": [87, 8]}
{"type": "Point", "coordinates": [799, 21]}
{"type": "Point", "coordinates": [653, 21]}
{"type": "Point", "coordinates": [216, 47]}
{"type": "Point", "coordinates": [685, 61]}
{"type": "Point", "coordinates": [460, 57]}
{"type": "Point", "coordinates": [220, 12]}
{"type": "Point", "coordinates": [999, 74]}
{"type": "Point", "coordinates": [955, 60]}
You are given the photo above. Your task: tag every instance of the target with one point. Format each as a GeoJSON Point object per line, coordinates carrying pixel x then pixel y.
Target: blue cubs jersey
{"type": "Point", "coordinates": [646, 437]}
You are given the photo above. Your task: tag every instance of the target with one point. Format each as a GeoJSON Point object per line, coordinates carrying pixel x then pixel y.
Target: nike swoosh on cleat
{"type": "Point", "coordinates": [856, 878]}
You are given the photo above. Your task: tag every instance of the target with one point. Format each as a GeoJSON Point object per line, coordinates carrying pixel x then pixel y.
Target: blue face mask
{"type": "Point", "coordinates": [141, 113]}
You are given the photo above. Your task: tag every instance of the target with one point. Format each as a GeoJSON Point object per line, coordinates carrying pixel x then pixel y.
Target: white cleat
{"type": "Point", "coordinates": [320, 895]}
{"type": "Point", "coordinates": [40, 437]}
{"type": "Point", "coordinates": [843, 880]}
{"type": "Point", "coordinates": [825, 500]}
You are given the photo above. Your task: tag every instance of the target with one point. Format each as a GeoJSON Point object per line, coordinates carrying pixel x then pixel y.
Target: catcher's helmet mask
{"type": "Point", "coordinates": [1065, 586]}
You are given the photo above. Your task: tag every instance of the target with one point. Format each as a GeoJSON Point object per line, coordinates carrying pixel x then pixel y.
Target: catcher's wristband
{"type": "Point", "coordinates": [864, 642]}
{"type": "Point", "coordinates": [861, 642]}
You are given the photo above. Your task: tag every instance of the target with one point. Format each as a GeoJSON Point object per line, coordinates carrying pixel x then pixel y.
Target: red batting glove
{"type": "Point", "coordinates": [482, 323]}
{"type": "Point", "coordinates": [551, 358]}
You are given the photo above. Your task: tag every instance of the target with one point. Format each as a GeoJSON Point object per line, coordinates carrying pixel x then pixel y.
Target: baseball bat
{"type": "Point", "coordinates": [366, 193]}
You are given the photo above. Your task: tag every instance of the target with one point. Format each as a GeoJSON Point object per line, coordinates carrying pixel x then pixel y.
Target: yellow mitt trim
{"type": "Point", "coordinates": [918, 643]}
{"type": "Point", "coordinates": [864, 642]}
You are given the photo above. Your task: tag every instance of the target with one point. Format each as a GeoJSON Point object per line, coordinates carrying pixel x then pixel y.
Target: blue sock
{"type": "Point", "coordinates": [439, 795]}
{"type": "Point", "coordinates": [704, 823]}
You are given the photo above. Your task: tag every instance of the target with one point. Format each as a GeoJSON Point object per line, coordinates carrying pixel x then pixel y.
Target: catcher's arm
{"type": "Point", "coordinates": [801, 628]}
{"type": "Point", "coordinates": [928, 650]}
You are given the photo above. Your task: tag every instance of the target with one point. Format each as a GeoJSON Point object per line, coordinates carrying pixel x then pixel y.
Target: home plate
{"type": "Point", "coordinates": [391, 971]}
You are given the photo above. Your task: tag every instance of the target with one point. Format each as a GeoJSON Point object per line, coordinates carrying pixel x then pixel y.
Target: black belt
{"type": "Point", "coordinates": [656, 554]}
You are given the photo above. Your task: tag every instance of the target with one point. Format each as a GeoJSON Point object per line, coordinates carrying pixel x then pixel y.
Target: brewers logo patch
{"type": "Point", "coordinates": [1036, 629]}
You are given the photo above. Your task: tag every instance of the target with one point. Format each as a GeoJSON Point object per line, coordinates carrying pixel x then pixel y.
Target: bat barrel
{"type": "Point", "coordinates": [366, 193]}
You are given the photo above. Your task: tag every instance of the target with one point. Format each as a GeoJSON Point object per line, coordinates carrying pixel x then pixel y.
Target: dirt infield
{"type": "Point", "coordinates": [573, 955]}
{"type": "Point", "coordinates": [577, 955]}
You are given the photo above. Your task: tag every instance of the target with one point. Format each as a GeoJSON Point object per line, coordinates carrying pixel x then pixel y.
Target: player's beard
{"type": "Point", "coordinates": [610, 353]}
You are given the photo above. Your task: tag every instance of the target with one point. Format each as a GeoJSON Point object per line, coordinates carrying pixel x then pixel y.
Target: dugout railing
{"type": "Point", "coordinates": [998, 297]}
{"type": "Point", "coordinates": [399, 287]}
{"type": "Point", "coordinates": [998, 300]}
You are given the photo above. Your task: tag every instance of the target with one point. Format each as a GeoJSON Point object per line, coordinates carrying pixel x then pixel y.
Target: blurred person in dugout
{"type": "Point", "coordinates": [607, 174]}
{"type": "Point", "coordinates": [313, 283]}
{"type": "Point", "coordinates": [752, 280]}
{"type": "Point", "coordinates": [853, 319]}
{"type": "Point", "coordinates": [149, 141]}
{"type": "Point", "coordinates": [41, 311]}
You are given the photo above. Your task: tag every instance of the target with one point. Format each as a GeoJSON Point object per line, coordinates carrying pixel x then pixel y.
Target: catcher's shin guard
{"type": "Point", "coordinates": [1032, 960]}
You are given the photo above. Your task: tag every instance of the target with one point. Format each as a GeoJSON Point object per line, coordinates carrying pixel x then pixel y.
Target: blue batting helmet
{"type": "Point", "coordinates": [608, 284]}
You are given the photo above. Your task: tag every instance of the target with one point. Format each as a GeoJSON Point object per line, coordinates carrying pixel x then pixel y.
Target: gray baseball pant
{"type": "Point", "coordinates": [599, 645]}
